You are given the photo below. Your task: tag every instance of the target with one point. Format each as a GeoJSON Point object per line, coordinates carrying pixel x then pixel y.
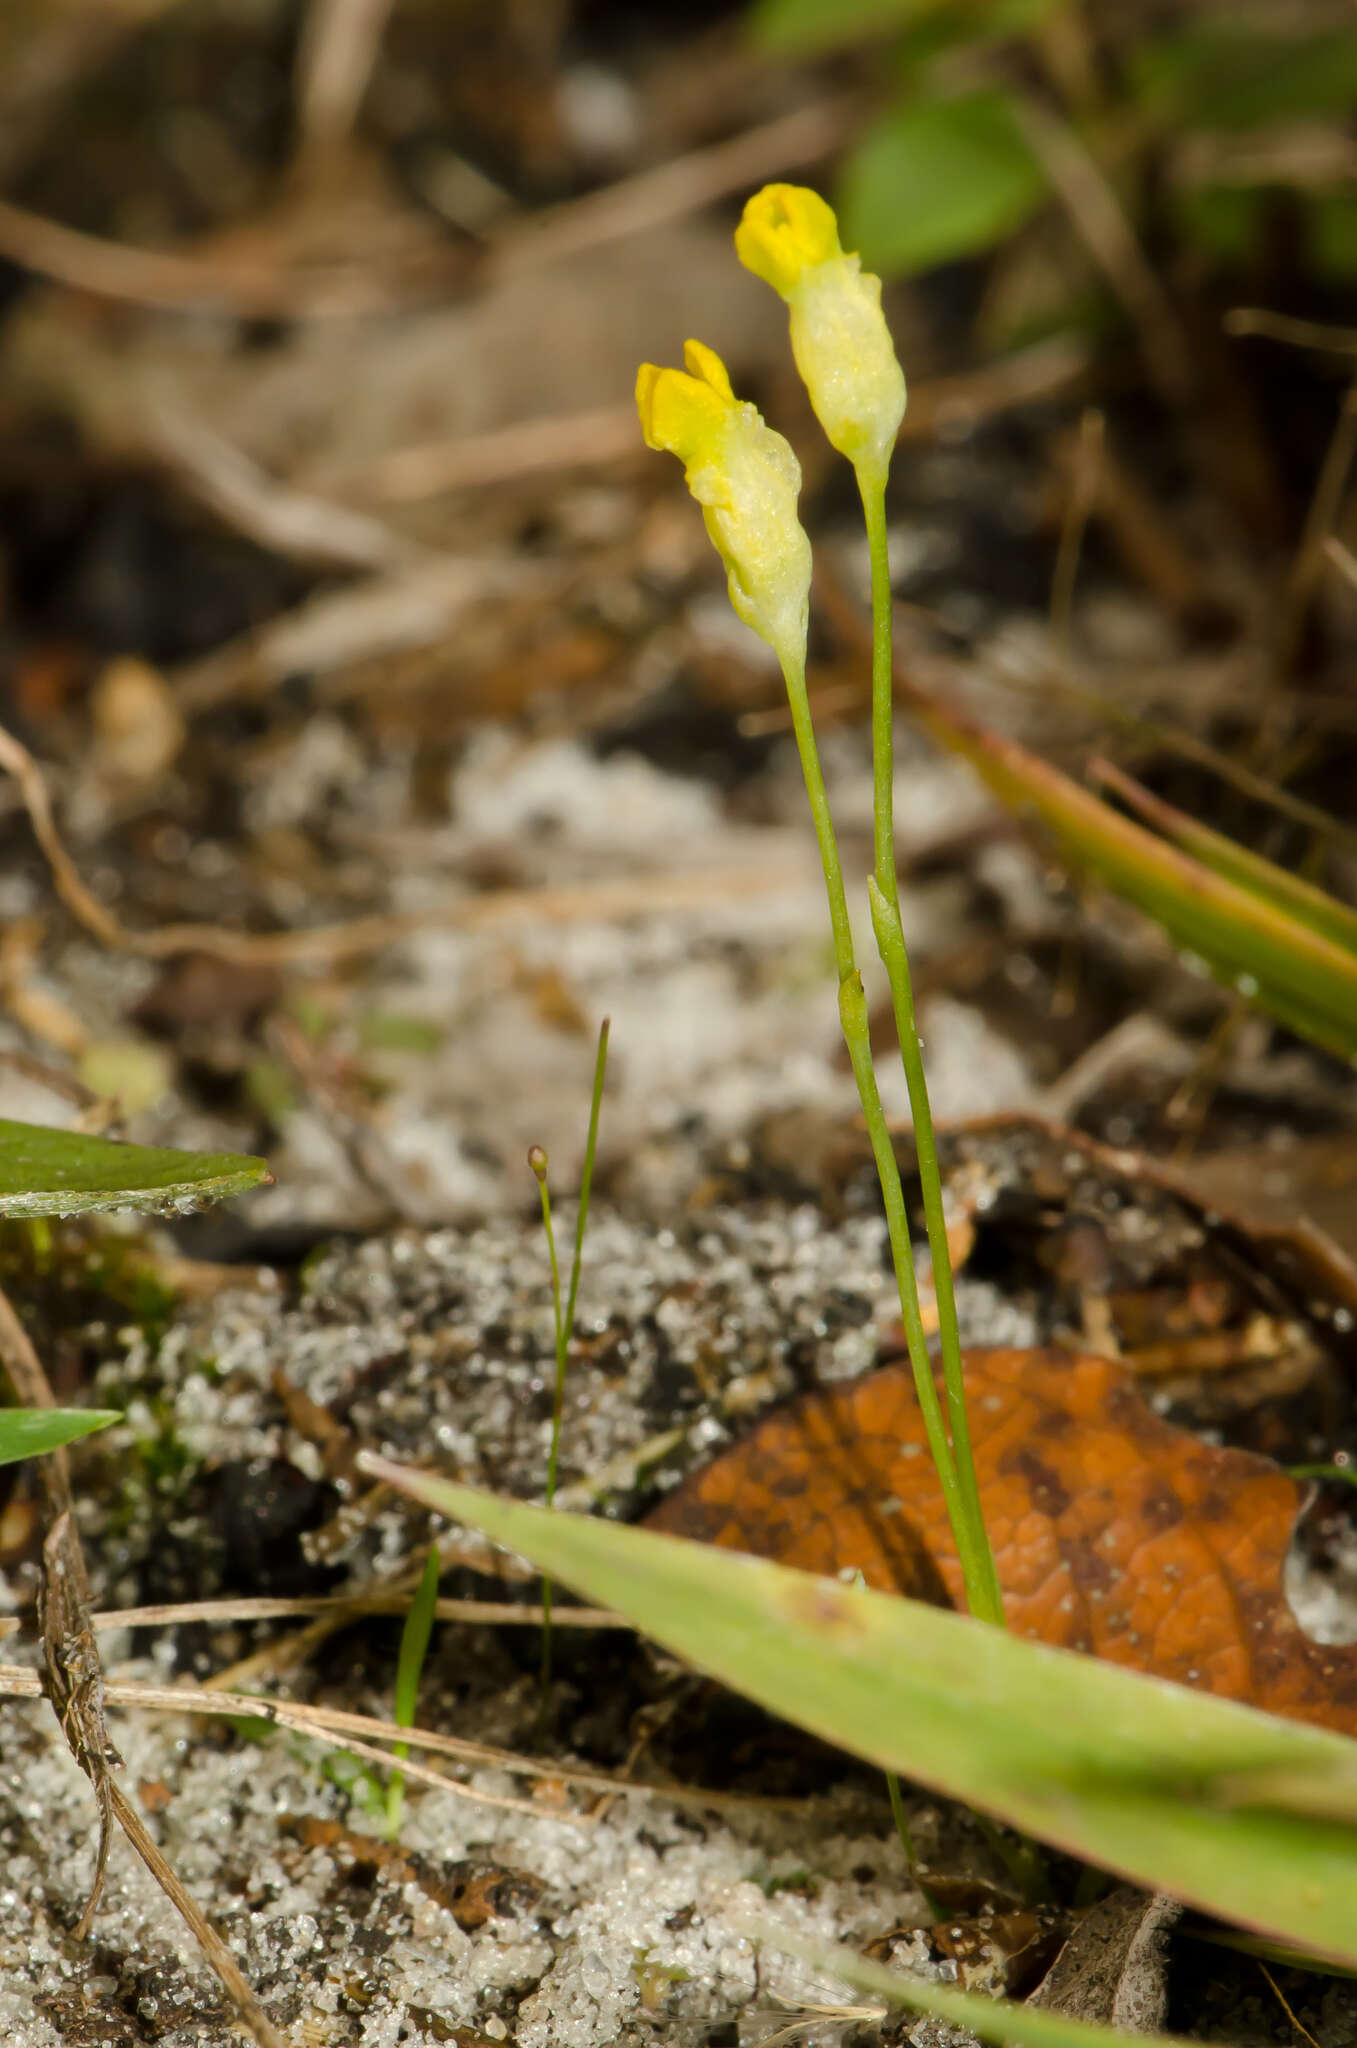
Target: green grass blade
{"type": "Point", "coordinates": [415, 1635]}
{"type": "Point", "coordinates": [1303, 978]}
{"type": "Point", "coordinates": [565, 1317]}
{"type": "Point", "coordinates": [1123, 1770]}
{"type": "Point", "coordinates": [565, 1323]}
{"type": "Point", "coordinates": [31, 1432]}
{"type": "Point", "coordinates": [1315, 908]}
{"type": "Point", "coordinates": [63, 1173]}
{"type": "Point", "coordinates": [992, 2019]}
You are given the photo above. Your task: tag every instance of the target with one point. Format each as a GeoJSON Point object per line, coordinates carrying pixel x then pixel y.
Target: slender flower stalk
{"type": "Point", "coordinates": [564, 1317]}
{"type": "Point", "coordinates": [747, 479]}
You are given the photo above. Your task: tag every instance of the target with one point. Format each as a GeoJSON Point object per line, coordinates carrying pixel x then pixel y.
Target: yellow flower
{"type": "Point", "coordinates": [843, 349]}
{"type": "Point", "coordinates": [746, 479]}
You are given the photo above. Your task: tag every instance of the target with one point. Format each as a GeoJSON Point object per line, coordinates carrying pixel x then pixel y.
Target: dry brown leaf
{"type": "Point", "coordinates": [1114, 1532]}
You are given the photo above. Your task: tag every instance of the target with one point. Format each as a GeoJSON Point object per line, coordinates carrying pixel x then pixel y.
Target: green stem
{"type": "Point", "coordinates": [537, 1160]}
{"type": "Point", "coordinates": [983, 1594]}
{"type": "Point", "coordinates": [565, 1318]}
{"type": "Point", "coordinates": [1023, 1860]}
{"type": "Point", "coordinates": [581, 1221]}
{"type": "Point", "coordinates": [857, 1037]}
{"type": "Point", "coordinates": [883, 690]}
{"type": "Point", "coordinates": [414, 1648]}
{"type": "Point", "coordinates": [900, 1818]}
{"type": "Point", "coordinates": [794, 675]}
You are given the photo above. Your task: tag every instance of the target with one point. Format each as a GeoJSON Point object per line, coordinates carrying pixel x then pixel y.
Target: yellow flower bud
{"type": "Point", "coordinates": [786, 230]}
{"type": "Point", "coordinates": [840, 339]}
{"type": "Point", "coordinates": [746, 479]}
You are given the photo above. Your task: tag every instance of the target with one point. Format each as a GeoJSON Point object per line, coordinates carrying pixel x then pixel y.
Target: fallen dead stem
{"type": "Point", "coordinates": [361, 1732]}
{"type": "Point", "coordinates": [490, 1613]}
{"type": "Point", "coordinates": [601, 434]}
{"type": "Point", "coordinates": [73, 1673]}
{"type": "Point", "coordinates": [416, 604]}
{"type": "Point", "coordinates": [1280, 1996]}
{"type": "Point", "coordinates": [254, 290]}
{"type": "Point", "coordinates": [193, 284]}
{"type": "Point", "coordinates": [288, 522]}
{"type": "Point", "coordinates": [1137, 529]}
{"type": "Point", "coordinates": [637, 205]}
{"type": "Point", "coordinates": [73, 1681]}
{"type": "Point", "coordinates": [213, 1947]}
{"type": "Point", "coordinates": [1251, 320]}
{"type": "Point", "coordinates": [335, 55]}
{"type": "Point", "coordinates": [1048, 369]}
{"type": "Point", "coordinates": [613, 898]}
{"type": "Point", "coordinates": [608, 433]}
{"type": "Point", "coordinates": [1308, 565]}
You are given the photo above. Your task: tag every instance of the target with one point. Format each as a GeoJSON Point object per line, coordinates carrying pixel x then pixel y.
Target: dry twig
{"type": "Point", "coordinates": [1250, 320]}
{"type": "Point", "coordinates": [1308, 566]}
{"type": "Point", "coordinates": [338, 48]}
{"type": "Point", "coordinates": [360, 1733]}
{"type": "Point", "coordinates": [73, 1680]}
{"type": "Point", "coordinates": [601, 434]}
{"type": "Point", "coordinates": [286, 521]}
{"type": "Point", "coordinates": [488, 1613]}
{"type": "Point", "coordinates": [1085, 468]}
{"type": "Point", "coordinates": [244, 287]}
{"type": "Point", "coordinates": [637, 205]}
{"type": "Point", "coordinates": [614, 897]}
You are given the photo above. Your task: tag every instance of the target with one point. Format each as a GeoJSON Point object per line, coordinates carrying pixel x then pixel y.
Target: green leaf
{"type": "Point", "coordinates": [797, 27]}
{"type": "Point", "coordinates": [1331, 233]}
{"type": "Point", "coordinates": [936, 180]}
{"type": "Point", "coordinates": [30, 1432]}
{"type": "Point", "coordinates": [1221, 75]}
{"type": "Point", "coordinates": [62, 1173]}
{"type": "Point", "coordinates": [1225, 221]}
{"type": "Point", "coordinates": [1143, 1777]}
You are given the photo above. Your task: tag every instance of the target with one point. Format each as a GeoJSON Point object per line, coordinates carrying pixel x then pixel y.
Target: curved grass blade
{"type": "Point", "coordinates": [47, 1172]}
{"type": "Point", "coordinates": [414, 1648]}
{"type": "Point", "coordinates": [32, 1432]}
{"type": "Point", "coordinates": [1303, 977]}
{"type": "Point", "coordinates": [1315, 908]}
{"type": "Point", "coordinates": [991, 2019]}
{"type": "Point", "coordinates": [1140, 1776]}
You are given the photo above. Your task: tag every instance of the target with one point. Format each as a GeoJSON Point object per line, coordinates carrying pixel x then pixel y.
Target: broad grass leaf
{"type": "Point", "coordinates": [1143, 1777]}
{"type": "Point", "coordinates": [1114, 1532]}
{"type": "Point", "coordinates": [1312, 907]}
{"type": "Point", "coordinates": [1302, 977]}
{"type": "Point", "coordinates": [32, 1432]}
{"type": "Point", "coordinates": [63, 1173]}
{"type": "Point", "coordinates": [936, 180]}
